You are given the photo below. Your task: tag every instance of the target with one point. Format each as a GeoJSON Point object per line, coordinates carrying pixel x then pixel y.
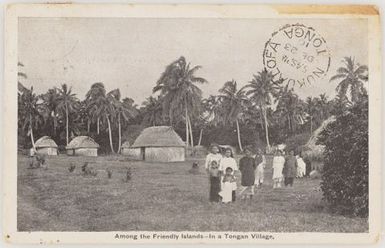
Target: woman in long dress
{"type": "Point", "coordinates": [247, 167]}
{"type": "Point", "coordinates": [212, 163]}
{"type": "Point", "coordinates": [228, 161]}
{"type": "Point", "coordinates": [301, 169]}
{"type": "Point", "coordinates": [278, 164]}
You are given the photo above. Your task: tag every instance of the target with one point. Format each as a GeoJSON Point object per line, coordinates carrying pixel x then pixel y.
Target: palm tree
{"type": "Point", "coordinates": [66, 103]}
{"type": "Point", "coordinates": [233, 101]}
{"type": "Point", "coordinates": [50, 99]}
{"type": "Point", "coordinates": [152, 111]}
{"type": "Point", "coordinates": [123, 109]}
{"type": "Point", "coordinates": [94, 98]}
{"type": "Point", "coordinates": [312, 110]}
{"type": "Point", "coordinates": [353, 76]}
{"type": "Point", "coordinates": [179, 92]}
{"type": "Point", "coordinates": [29, 111]}
{"type": "Point", "coordinates": [290, 108]}
{"type": "Point", "coordinates": [262, 90]}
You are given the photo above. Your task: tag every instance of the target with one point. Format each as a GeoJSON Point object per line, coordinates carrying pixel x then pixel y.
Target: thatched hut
{"type": "Point", "coordinates": [159, 144]}
{"type": "Point", "coordinates": [46, 145]}
{"type": "Point", "coordinates": [82, 146]}
{"type": "Point", "coordinates": [311, 149]}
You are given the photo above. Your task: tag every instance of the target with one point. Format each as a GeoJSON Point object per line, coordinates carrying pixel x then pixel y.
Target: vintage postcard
{"type": "Point", "coordinates": [227, 124]}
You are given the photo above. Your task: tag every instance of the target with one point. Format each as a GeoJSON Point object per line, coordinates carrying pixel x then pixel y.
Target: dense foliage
{"type": "Point", "coordinates": [263, 112]}
{"type": "Point", "coordinates": [345, 175]}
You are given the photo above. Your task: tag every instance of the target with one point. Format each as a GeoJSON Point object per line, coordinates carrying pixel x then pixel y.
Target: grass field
{"type": "Point", "coordinates": [162, 197]}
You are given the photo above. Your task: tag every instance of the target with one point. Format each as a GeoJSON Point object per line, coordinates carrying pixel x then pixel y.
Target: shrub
{"type": "Point", "coordinates": [345, 173]}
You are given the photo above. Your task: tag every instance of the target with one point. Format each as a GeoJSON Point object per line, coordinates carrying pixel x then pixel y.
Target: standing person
{"type": "Point", "coordinates": [229, 186]}
{"type": "Point", "coordinates": [290, 169]}
{"type": "Point", "coordinates": [260, 161]}
{"type": "Point", "coordinates": [247, 167]}
{"type": "Point", "coordinates": [212, 163]}
{"type": "Point", "coordinates": [278, 164]}
{"type": "Point", "coordinates": [228, 161]}
{"type": "Point", "coordinates": [301, 169]}
{"type": "Point", "coordinates": [308, 165]}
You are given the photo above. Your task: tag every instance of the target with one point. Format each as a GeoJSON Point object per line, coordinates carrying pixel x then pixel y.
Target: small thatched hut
{"type": "Point", "coordinates": [83, 146]}
{"type": "Point", "coordinates": [159, 144]}
{"type": "Point", "coordinates": [46, 145]}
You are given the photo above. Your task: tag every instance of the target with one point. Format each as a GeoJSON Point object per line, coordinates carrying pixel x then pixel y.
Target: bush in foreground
{"type": "Point", "coordinates": [345, 176]}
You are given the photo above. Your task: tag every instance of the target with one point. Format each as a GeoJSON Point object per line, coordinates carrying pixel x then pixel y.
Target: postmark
{"type": "Point", "coordinates": [297, 54]}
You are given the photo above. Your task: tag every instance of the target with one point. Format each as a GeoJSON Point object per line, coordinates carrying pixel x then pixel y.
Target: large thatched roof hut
{"type": "Point", "coordinates": [311, 148]}
{"type": "Point", "coordinates": [46, 145]}
{"type": "Point", "coordinates": [83, 146]}
{"type": "Point", "coordinates": [159, 144]}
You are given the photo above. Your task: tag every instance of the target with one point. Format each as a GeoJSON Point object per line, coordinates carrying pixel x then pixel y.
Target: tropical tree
{"type": "Point", "coordinates": [124, 110]}
{"type": "Point", "coordinates": [311, 108]}
{"type": "Point", "coordinates": [179, 92]}
{"type": "Point", "coordinates": [94, 98]}
{"type": "Point", "coordinates": [29, 111]}
{"type": "Point", "coordinates": [352, 76]}
{"type": "Point", "coordinates": [66, 104]}
{"type": "Point", "coordinates": [290, 108]}
{"type": "Point", "coordinates": [50, 99]}
{"type": "Point", "coordinates": [151, 111]}
{"type": "Point", "coordinates": [262, 90]}
{"type": "Point", "coordinates": [233, 102]}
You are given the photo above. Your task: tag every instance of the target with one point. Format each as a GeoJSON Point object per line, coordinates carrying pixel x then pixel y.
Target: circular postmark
{"type": "Point", "coordinates": [297, 54]}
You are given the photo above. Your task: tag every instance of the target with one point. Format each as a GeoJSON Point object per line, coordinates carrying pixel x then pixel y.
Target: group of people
{"type": "Point", "coordinates": [221, 169]}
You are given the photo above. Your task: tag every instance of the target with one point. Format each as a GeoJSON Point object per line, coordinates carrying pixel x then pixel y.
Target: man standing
{"type": "Point", "coordinates": [260, 161]}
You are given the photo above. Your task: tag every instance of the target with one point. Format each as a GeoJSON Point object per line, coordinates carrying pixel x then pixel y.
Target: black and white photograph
{"type": "Point", "coordinates": [218, 123]}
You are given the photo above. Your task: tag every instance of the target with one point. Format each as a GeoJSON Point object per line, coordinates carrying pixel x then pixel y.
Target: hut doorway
{"type": "Point", "coordinates": [143, 153]}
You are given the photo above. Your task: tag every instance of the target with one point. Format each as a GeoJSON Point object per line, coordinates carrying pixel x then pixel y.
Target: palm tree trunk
{"type": "Point", "coordinates": [266, 129]}
{"type": "Point", "coordinates": [97, 125]}
{"type": "Point", "coordinates": [311, 125]}
{"type": "Point", "coordinates": [200, 137]}
{"type": "Point", "coordinates": [120, 133]}
{"type": "Point", "coordinates": [110, 133]}
{"type": "Point", "coordinates": [67, 131]}
{"type": "Point", "coordinates": [88, 126]}
{"type": "Point", "coordinates": [187, 133]}
{"type": "Point", "coordinates": [239, 136]}
{"type": "Point", "coordinates": [31, 133]}
{"type": "Point", "coordinates": [191, 134]}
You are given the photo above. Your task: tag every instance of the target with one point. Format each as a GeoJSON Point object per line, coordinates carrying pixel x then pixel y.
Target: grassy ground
{"type": "Point", "coordinates": [164, 197]}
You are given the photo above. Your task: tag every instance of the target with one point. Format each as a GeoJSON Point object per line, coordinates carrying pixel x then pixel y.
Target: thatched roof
{"type": "Point", "coordinates": [313, 139]}
{"type": "Point", "coordinates": [45, 141]}
{"type": "Point", "coordinates": [160, 136]}
{"type": "Point", "coordinates": [126, 144]}
{"type": "Point", "coordinates": [82, 142]}
{"type": "Point", "coordinates": [311, 148]}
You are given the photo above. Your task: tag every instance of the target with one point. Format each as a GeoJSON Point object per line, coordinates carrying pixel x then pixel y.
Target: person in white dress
{"type": "Point", "coordinates": [228, 161]}
{"type": "Point", "coordinates": [301, 169]}
{"type": "Point", "coordinates": [278, 164]}
{"type": "Point", "coordinates": [229, 186]}
{"type": "Point", "coordinates": [260, 160]}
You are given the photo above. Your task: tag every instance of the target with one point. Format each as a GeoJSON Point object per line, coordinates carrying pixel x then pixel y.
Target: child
{"type": "Point", "coordinates": [247, 167]}
{"type": "Point", "coordinates": [229, 186]}
{"type": "Point", "coordinates": [278, 163]}
{"type": "Point", "coordinates": [228, 162]}
{"type": "Point", "coordinates": [212, 167]}
{"type": "Point", "coordinates": [260, 161]}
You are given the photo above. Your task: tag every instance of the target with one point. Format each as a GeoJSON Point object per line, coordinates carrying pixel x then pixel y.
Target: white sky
{"type": "Point", "coordinates": [130, 54]}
